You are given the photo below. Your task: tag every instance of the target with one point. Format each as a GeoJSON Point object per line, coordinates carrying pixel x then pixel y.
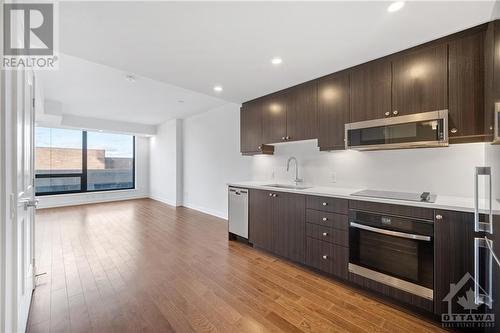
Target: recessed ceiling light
{"type": "Point", "coordinates": [395, 6]}
{"type": "Point", "coordinates": [130, 78]}
{"type": "Point", "coordinates": [276, 61]}
{"type": "Point", "coordinates": [218, 88]}
{"type": "Point", "coordinates": [100, 131]}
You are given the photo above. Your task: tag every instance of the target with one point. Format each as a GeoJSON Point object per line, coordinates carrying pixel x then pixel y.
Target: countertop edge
{"type": "Point", "coordinates": [310, 191]}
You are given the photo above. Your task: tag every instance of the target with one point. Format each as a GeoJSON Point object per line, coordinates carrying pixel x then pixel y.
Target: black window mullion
{"type": "Point", "coordinates": [84, 162]}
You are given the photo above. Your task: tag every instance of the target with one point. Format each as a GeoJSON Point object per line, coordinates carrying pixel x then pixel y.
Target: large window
{"type": "Point", "coordinates": [72, 161]}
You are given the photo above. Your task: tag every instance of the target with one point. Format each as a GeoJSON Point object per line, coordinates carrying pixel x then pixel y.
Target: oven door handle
{"type": "Point", "coordinates": [390, 232]}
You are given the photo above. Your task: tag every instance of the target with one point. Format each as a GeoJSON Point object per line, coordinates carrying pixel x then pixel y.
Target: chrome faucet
{"type": "Point", "coordinates": [296, 180]}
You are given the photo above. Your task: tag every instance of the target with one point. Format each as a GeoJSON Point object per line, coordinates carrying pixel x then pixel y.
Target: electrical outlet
{"type": "Point", "coordinates": [334, 177]}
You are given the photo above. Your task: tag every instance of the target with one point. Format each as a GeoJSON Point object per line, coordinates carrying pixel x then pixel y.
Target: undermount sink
{"type": "Point", "coordinates": [292, 187]}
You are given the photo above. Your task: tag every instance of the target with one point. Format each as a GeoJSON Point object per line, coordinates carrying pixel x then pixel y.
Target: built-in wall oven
{"type": "Point", "coordinates": [393, 250]}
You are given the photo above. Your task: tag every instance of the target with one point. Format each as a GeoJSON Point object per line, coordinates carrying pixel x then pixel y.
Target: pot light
{"type": "Point", "coordinates": [130, 78]}
{"type": "Point", "coordinates": [218, 89]}
{"type": "Point", "coordinates": [395, 6]}
{"type": "Point", "coordinates": [276, 61]}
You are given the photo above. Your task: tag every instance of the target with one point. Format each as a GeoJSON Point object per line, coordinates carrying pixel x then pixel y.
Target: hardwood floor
{"type": "Point", "coordinates": [144, 266]}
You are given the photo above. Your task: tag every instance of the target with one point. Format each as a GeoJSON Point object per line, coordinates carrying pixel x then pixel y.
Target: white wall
{"type": "Point", "coordinates": [166, 163]}
{"type": "Point", "coordinates": [212, 158]}
{"type": "Point", "coordinates": [445, 171]}
{"type": "Point", "coordinates": [493, 159]}
{"type": "Point", "coordinates": [142, 160]}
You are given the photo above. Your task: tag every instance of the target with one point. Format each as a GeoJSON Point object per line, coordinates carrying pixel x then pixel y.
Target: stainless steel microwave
{"type": "Point", "coordinates": [420, 130]}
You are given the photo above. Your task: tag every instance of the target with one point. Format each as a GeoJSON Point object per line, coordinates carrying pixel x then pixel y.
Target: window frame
{"type": "Point", "coordinates": [83, 174]}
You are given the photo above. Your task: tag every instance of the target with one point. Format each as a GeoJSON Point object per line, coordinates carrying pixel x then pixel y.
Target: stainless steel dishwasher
{"type": "Point", "coordinates": [238, 213]}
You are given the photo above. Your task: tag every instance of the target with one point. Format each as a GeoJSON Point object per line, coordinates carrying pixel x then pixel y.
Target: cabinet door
{"type": "Point", "coordinates": [333, 110]}
{"type": "Point", "coordinates": [302, 112]}
{"type": "Point", "coordinates": [274, 118]}
{"type": "Point", "coordinates": [420, 81]}
{"type": "Point", "coordinates": [289, 226]}
{"type": "Point", "coordinates": [371, 91]}
{"type": "Point", "coordinates": [466, 84]}
{"type": "Point", "coordinates": [260, 219]}
{"type": "Point", "coordinates": [250, 127]}
{"type": "Point", "coordinates": [453, 255]}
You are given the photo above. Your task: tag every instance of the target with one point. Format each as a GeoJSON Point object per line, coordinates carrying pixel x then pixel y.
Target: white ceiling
{"type": "Point", "coordinates": [196, 45]}
{"type": "Point", "coordinates": [88, 89]}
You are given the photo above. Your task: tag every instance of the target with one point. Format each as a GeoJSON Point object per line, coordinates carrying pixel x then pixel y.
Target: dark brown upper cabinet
{"type": "Point", "coordinates": [333, 110]}
{"type": "Point", "coordinates": [466, 88]}
{"type": "Point", "coordinates": [371, 91]}
{"type": "Point", "coordinates": [492, 75]}
{"type": "Point", "coordinates": [274, 118]}
{"type": "Point", "coordinates": [302, 112]}
{"type": "Point", "coordinates": [420, 80]}
{"type": "Point", "coordinates": [250, 127]}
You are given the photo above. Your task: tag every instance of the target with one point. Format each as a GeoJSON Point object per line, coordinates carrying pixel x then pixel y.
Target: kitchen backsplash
{"type": "Point", "coordinates": [445, 171]}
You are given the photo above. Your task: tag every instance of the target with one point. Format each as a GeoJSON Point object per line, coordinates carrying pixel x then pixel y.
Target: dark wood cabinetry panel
{"type": "Point", "coordinates": [371, 90]}
{"type": "Point", "coordinates": [327, 234]}
{"type": "Point", "coordinates": [466, 87]}
{"type": "Point", "coordinates": [327, 219]}
{"type": "Point", "coordinates": [453, 254]}
{"type": "Point", "coordinates": [260, 219]}
{"type": "Point", "coordinates": [250, 127]}
{"type": "Point", "coordinates": [492, 75]}
{"type": "Point", "coordinates": [420, 80]}
{"type": "Point", "coordinates": [302, 112]}
{"type": "Point", "coordinates": [327, 257]}
{"type": "Point", "coordinates": [274, 118]}
{"type": "Point", "coordinates": [289, 225]}
{"type": "Point", "coordinates": [399, 295]}
{"type": "Point", "coordinates": [333, 110]}
{"type": "Point", "coordinates": [327, 204]}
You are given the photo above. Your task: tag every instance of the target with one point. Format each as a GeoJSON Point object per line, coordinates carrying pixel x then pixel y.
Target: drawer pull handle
{"type": "Point", "coordinates": [325, 234]}
{"type": "Point", "coordinates": [324, 203]}
{"type": "Point", "coordinates": [325, 219]}
{"type": "Point", "coordinates": [325, 257]}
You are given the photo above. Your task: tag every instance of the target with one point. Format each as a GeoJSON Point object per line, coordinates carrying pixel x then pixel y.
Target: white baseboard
{"type": "Point", "coordinates": [165, 201]}
{"type": "Point", "coordinates": [205, 210]}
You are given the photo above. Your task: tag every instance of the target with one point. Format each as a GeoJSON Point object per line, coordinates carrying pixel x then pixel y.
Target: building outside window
{"type": "Point", "coordinates": [74, 161]}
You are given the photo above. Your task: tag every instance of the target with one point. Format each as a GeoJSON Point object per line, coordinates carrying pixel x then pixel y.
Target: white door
{"type": "Point", "coordinates": [25, 192]}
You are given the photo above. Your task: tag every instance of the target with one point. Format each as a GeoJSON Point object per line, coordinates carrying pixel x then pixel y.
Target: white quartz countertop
{"type": "Point", "coordinates": [462, 204]}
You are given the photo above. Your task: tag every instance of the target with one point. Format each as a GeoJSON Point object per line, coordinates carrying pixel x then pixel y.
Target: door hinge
{"type": "Point", "coordinates": [33, 103]}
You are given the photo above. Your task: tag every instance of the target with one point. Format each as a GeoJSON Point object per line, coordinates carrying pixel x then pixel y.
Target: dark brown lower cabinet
{"type": "Point", "coordinates": [260, 217]}
{"type": "Point", "coordinates": [289, 226]}
{"type": "Point", "coordinates": [453, 253]}
{"type": "Point", "coordinates": [327, 257]}
{"type": "Point", "coordinates": [277, 223]}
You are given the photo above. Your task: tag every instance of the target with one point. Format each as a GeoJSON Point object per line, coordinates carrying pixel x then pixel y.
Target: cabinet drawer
{"type": "Point", "coordinates": [327, 257]}
{"type": "Point", "coordinates": [327, 204]}
{"type": "Point", "coordinates": [327, 234]}
{"type": "Point", "coordinates": [327, 219]}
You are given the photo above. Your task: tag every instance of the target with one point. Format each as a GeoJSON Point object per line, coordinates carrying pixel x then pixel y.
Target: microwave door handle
{"type": "Point", "coordinates": [390, 232]}
{"type": "Point", "coordinates": [478, 225]}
